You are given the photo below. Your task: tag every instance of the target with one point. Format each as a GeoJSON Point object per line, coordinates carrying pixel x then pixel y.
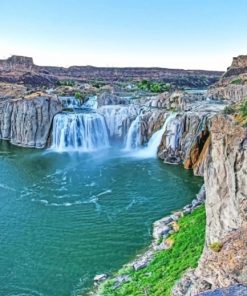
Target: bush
{"type": "Point", "coordinates": [243, 108]}
{"type": "Point", "coordinates": [216, 247]}
{"type": "Point", "coordinates": [237, 81]}
{"type": "Point", "coordinates": [154, 87]}
{"type": "Point", "coordinates": [229, 110]}
{"type": "Point", "coordinates": [78, 95]}
{"type": "Point", "coordinates": [66, 83]}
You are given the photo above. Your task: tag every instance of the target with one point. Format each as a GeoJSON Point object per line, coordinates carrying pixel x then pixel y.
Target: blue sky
{"type": "Point", "coordinates": [190, 34]}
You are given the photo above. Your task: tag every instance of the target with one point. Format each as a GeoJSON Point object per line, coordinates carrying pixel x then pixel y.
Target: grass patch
{"type": "Point", "coordinates": [160, 275]}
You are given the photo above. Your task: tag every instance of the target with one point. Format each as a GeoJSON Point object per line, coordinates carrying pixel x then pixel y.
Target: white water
{"type": "Point", "coordinates": [151, 150]}
{"type": "Point", "coordinates": [133, 139]}
{"type": "Point", "coordinates": [91, 103]}
{"type": "Point", "coordinates": [79, 131]}
{"type": "Point", "coordinates": [70, 102]}
{"type": "Point", "coordinates": [118, 119]}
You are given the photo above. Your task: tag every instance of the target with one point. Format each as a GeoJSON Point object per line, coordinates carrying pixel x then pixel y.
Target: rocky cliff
{"type": "Point", "coordinates": [22, 70]}
{"type": "Point", "coordinates": [224, 260]}
{"type": "Point", "coordinates": [27, 122]}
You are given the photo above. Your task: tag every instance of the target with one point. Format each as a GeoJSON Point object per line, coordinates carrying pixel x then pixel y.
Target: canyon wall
{"type": "Point", "coordinates": [18, 69]}
{"type": "Point", "coordinates": [27, 122]}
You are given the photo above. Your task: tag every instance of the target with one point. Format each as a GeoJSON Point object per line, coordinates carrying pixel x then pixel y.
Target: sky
{"type": "Point", "coordinates": [188, 34]}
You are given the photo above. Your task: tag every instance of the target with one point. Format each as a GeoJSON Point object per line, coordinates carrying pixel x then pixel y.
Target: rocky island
{"type": "Point", "coordinates": [149, 112]}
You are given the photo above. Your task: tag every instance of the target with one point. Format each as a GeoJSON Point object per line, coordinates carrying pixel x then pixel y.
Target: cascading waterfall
{"type": "Point", "coordinates": [91, 103]}
{"type": "Point", "coordinates": [133, 140]}
{"type": "Point", "coordinates": [154, 142]}
{"type": "Point", "coordinates": [79, 131]}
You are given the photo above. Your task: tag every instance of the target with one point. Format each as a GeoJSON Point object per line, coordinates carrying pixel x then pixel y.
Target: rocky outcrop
{"type": "Point", "coordinates": [184, 141]}
{"type": "Point", "coordinates": [111, 99]}
{"type": "Point", "coordinates": [224, 260]}
{"type": "Point", "coordinates": [238, 66]}
{"type": "Point", "coordinates": [233, 84]}
{"type": "Point", "coordinates": [27, 122]}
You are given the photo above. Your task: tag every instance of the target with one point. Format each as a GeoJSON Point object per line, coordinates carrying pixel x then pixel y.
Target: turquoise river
{"type": "Point", "coordinates": [65, 217]}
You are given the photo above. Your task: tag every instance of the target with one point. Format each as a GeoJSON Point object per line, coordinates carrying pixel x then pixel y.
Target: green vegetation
{"type": "Point", "coordinates": [66, 83]}
{"type": "Point", "coordinates": [229, 110]}
{"type": "Point", "coordinates": [243, 108]}
{"type": "Point", "coordinates": [237, 81]}
{"type": "Point", "coordinates": [216, 247]}
{"type": "Point", "coordinates": [154, 87]}
{"type": "Point", "coordinates": [98, 83]}
{"type": "Point", "coordinates": [160, 275]}
{"type": "Point", "coordinates": [79, 95]}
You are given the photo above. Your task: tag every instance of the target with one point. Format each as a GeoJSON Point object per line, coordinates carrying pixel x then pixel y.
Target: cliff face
{"type": "Point", "coordinates": [226, 178]}
{"type": "Point", "coordinates": [22, 70]}
{"type": "Point", "coordinates": [27, 122]}
{"type": "Point", "coordinates": [226, 208]}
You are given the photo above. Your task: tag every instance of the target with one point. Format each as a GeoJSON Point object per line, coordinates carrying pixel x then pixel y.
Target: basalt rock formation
{"type": "Point", "coordinates": [17, 69]}
{"type": "Point", "coordinates": [233, 83]}
{"type": "Point", "coordinates": [27, 121]}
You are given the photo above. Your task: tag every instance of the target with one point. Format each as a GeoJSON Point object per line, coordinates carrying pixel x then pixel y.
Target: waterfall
{"type": "Point", "coordinates": [133, 140]}
{"type": "Point", "coordinates": [91, 103]}
{"type": "Point", "coordinates": [70, 102]}
{"type": "Point", "coordinates": [155, 140]}
{"type": "Point", "coordinates": [79, 131]}
{"type": "Point", "coordinates": [118, 119]}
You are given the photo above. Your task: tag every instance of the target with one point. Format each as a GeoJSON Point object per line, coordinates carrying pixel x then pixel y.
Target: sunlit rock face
{"type": "Point", "coordinates": [27, 122]}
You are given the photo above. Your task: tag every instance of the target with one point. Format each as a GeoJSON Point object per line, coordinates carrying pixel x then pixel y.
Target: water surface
{"type": "Point", "coordinates": [68, 216]}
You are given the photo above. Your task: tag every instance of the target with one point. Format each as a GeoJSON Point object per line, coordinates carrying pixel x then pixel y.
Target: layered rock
{"type": "Point", "coordinates": [27, 122]}
{"type": "Point", "coordinates": [186, 141]}
{"type": "Point", "coordinates": [107, 98]}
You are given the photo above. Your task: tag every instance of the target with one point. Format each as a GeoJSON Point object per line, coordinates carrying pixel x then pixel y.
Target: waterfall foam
{"type": "Point", "coordinates": [153, 144]}
{"type": "Point", "coordinates": [79, 131]}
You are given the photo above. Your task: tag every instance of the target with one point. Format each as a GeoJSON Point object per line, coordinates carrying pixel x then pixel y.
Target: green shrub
{"type": "Point", "coordinates": [243, 108]}
{"type": "Point", "coordinates": [66, 83]}
{"type": "Point", "coordinates": [237, 81]}
{"type": "Point", "coordinates": [78, 95]}
{"type": "Point", "coordinates": [154, 87]}
{"type": "Point", "coordinates": [229, 110]}
{"type": "Point", "coordinates": [216, 247]}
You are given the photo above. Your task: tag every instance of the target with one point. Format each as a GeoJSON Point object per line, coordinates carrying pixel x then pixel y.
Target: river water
{"type": "Point", "coordinates": [68, 216]}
